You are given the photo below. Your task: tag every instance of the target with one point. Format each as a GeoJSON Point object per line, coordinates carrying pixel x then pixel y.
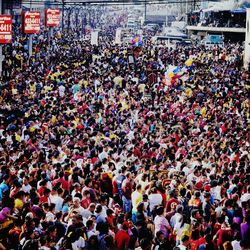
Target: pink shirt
{"type": "Point", "coordinates": [5, 210]}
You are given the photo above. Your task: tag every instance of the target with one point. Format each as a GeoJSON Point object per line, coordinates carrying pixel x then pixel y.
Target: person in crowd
{"type": "Point", "coordinates": [122, 237]}
{"type": "Point", "coordinates": [161, 223]}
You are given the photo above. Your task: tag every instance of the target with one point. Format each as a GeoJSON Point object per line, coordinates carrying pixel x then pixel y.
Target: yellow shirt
{"type": "Point", "coordinates": [18, 204]}
{"type": "Point", "coordinates": [203, 112]}
{"type": "Point", "coordinates": [136, 199]}
{"type": "Point", "coordinates": [189, 92]}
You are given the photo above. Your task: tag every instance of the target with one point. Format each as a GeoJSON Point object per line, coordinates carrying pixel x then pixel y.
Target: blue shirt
{"type": "Point", "coordinates": [100, 219]}
{"type": "Point", "coordinates": [3, 187]}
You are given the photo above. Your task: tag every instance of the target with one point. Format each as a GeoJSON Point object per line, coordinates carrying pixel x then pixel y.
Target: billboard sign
{"type": "Point", "coordinates": [118, 35]}
{"type": "Point", "coordinates": [5, 29]}
{"type": "Point", "coordinates": [31, 22]}
{"type": "Point", "coordinates": [94, 38]}
{"type": "Point", "coordinates": [52, 17]}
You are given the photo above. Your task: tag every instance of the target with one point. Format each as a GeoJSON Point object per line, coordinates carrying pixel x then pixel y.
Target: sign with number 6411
{"type": "Point", "coordinates": [5, 29]}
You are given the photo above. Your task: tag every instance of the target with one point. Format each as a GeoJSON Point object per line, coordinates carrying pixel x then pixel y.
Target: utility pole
{"type": "Point", "coordinates": [145, 11]}
{"type": "Point", "coordinates": [69, 17]}
{"type": "Point", "coordinates": [247, 41]}
{"type": "Point", "coordinates": [31, 36]}
{"type": "Point", "coordinates": [63, 5]}
{"type": "Point", "coordinates": [194, 5]}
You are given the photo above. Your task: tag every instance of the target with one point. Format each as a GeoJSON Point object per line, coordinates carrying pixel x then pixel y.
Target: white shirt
{"type": "Point", "coordinates": [97, 83]}
{"type": "Point", "coordinates": [74, 192]}
{"type": "Point", "coordinates": [186, 170]}
{"type": "Point", "coordinates": [104, 211]}
{"type": "Point", "coordinates": [245, 197]}
{"type": "Point", "coordinates": [80, 210]}
{"type": "Point", "coordinates": [103, 155]}
{"type": "Point", "coordinates": [91, 233]}
{"type": "Point", "coordinates": [154, 200]}
{"type": "Point", "coordinates": [26, 188]}
{"type": "Point", "coordinates": [182, 247]}
{"type": "Point", "coordinates": [175, 219]}
{"type": "Point", "coordinates": [45, 248]}
{"type": "Point", "coordinates": [61, 90]}
{"type": "Point", "coordinates": [48, 185]}
{"type": "Point", "coordinates": [58, 201]}
{"type": "Point", "coordinates": [236, 245]}
{"type": "Point", "coordinates": [86, 213]}
{"type": "Point", "coordinates": [79, 244]}
{"type": "Point", "coordinates": [49, 217]}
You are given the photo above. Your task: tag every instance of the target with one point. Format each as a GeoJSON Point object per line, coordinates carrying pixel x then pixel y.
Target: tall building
{"type": "Point", "coordinates": [226, 18]}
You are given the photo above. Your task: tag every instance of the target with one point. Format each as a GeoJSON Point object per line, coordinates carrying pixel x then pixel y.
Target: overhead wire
{"type": "Point", "coordinates": [122, 2]}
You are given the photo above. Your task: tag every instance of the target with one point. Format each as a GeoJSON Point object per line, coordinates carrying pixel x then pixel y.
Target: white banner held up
{"type": "Point", "coordinates": [94, 38]}
{"type": "Point", "coordinates": [118, 36]}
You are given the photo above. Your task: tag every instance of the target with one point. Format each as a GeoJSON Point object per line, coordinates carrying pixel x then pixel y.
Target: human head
{"type": "Point", "coordinates": [98, 209]}
{"type": "Point", "coordinates": [159, 210]}
{"type": "Point", "coordinates": [76, 202]}
{"type": "Point", "coordinates": [138, 188]}
{"type": "Point", "coordinates": [160, 236]}
{"type": "Point", "coordinates": [92, 207]}
{"type": "Point", "coordinates": [90, 224]}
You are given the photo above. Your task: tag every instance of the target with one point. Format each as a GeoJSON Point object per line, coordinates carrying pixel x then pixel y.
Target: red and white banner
{"type": "Point", "coordinates": [31, 22]}
{"type": "Point", "coordinates": [5, 29]}
{"type": "Point", "coordinates": [52, 17]}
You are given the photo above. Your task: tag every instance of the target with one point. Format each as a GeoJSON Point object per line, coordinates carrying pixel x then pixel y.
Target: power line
{"type": "Point", "coordinates": [97, 2]}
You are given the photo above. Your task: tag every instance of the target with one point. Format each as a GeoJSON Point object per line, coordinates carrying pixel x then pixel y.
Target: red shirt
{"type": "Point", "coordinates": [137, 152]}
{"type": "Point", "coordinates": [44, 199]}
{"type": "Point", "coordinates": [217, 227]}
{"type": "Point", "coordinates": [94, 160]}
{"type": "Point", "coordinates": [86, 202]}
{"type": "Point", "coordinates": [122, 240]}
{"type": "Point", "coordinates": [127, 188]}
{"type": "Point", "coordinates": [115, 187]}
{"type": "Point", "coordinates": [110, 221]}
{"type": "Point", "coordinates": [41, 190]}
{"type": "Point", "coordinates": [224, 234]}
{"type": "Point", "coordinates": [194, 244]}
{"type": "Point", "coordinates": [65, 184]}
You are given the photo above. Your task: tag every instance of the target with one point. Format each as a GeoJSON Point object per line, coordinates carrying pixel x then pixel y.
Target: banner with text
{"type": "Point", "coordinates": [94, 38]}
{"type": "Point", "coordinates": [31, 22]}
{"type": "Point", "coordinates": [52, 17]}
{"type": "Point", "coordinates": [5, 29]}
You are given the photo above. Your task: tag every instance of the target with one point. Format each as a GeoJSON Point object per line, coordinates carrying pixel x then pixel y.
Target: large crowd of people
{"type": "Point", "coordinates": [101, 149]}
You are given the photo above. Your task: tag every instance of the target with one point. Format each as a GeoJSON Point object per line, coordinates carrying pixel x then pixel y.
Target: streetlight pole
{"type": "Point", "coordinates": [31, 36]}
{"type": "Point", "coordinates": [63, 5]}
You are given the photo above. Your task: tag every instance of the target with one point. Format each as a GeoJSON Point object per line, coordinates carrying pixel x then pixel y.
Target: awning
{"type": "Point", "coordinates": [215, 9]}
{"type": "Point", "coordinates": [238, 11]}
{"type": "Point", "coordinates": [220, 6]}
